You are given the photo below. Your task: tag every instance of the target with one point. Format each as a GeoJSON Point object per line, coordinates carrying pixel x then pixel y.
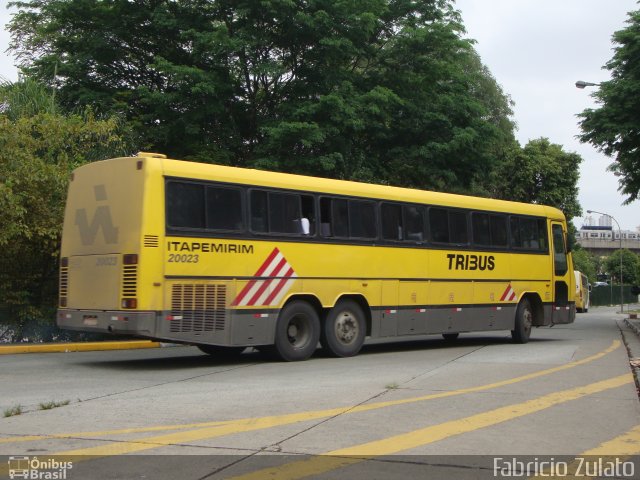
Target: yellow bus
{"type": "Point", "coordinates": [226, 258]}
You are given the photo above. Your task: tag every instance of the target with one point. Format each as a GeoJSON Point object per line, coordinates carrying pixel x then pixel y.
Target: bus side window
{"type": "Point", "coordinates": [362, 219]}
{"type": "Point", "coordinates": [259, 210]}
{"type": "Point", "coordinates": [224, 209]}
{"type": "Point", "coordinates": [498, 231]}
{"type": "Point", "coordinates": [308, 219]}
{"type": "Point", "coordinates": [439, 225]}
{"type": "Point", "coordinates": [325, 217]}
{"type": "Point", "coordinates": [489, 230]}
{"type": "Point", "coordinates": [481, 229]}
{"type": "Point", "coordinates": [458, 229]}
{"type": "Point", "coordinates": [414, 222]}
{"type": "Point", "coordinates": [185, 205]}
{"type": "Point", "coordinates": [339, 218]}
{"type": "Point", "coordinates": [334, 217]}
{"type": "Point", "coordinates": [391, 221]}
{"type": "Point", "coordinates": [284, 210]}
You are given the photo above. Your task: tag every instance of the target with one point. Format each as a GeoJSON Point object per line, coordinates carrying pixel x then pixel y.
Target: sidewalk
{"type": "Point", "coordinates": [14, 348]}
{"type": "Point", "coordinates": [633, 323]}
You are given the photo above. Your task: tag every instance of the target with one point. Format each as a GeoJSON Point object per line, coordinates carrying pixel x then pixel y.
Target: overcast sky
{"type": "Point", "coordinates": [536, 49]}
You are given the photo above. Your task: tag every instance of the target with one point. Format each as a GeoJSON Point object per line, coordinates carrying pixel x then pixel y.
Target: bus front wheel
{"type": "Point", "coordinates": [524, 321]}
{"type": "Point", "coordinates": [344, 329]}
{"type": "Point", "coordinates": [297, 332]}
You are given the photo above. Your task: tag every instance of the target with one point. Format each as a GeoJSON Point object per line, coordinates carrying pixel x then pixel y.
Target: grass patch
{"type": "Point", "coordinates": [52, 404]}
{"type": "Point", "coordinates": [392, 386]}
{"type": "Point", "coordinates": [13, 411]}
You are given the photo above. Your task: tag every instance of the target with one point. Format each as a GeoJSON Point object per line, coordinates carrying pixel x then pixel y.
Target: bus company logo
{"type": "Point", "coordinates": [38, 469]}
{"type": "Point", "coordinates": [101, 220]}
{"type": "Point", "coordinates": [509, 295]}
{"type": "Point", "coordinates": [268, 291]}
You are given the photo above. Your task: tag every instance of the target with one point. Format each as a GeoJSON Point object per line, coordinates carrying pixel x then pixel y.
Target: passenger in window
{"type": "Point", "coordinates": [305, 226]}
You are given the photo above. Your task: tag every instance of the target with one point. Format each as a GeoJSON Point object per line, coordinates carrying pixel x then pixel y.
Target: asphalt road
{"type": "Point", "coordinates": [472, 408]}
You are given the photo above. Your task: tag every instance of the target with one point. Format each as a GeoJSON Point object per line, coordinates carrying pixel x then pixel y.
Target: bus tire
{"type": "Point", "coordinates": [221, 352]}
{"type": "Point", "coordinates": [524, 321]}
{"type": "Point", "coordinates": [450, 337]}
{"type": "Point", "coordinates": [297, 332]}
{"type": "Point", "coordinates": [344, 329]}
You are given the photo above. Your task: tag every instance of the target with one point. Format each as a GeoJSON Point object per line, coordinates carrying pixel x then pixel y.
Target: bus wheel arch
{"type": "Point", "coordinates": [537, 308]}
{"type": "Point", "coordinates": [529, 313]}
{"type": "Point", "coordinates": [297, 329]}
{"type": "Point", "coordinates": [345, 326]}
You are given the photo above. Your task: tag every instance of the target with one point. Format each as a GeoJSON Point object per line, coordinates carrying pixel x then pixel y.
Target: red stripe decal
{"type": "Point", "coordinates": [279, 287]}
{"type": "Point", "coordinates": [266, 283]}
{"type": "Point", "coordinates": [260, 271]}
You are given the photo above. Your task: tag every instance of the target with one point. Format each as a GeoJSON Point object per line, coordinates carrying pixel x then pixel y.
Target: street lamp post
{"type": "Point", "coordinates": [619, 233]}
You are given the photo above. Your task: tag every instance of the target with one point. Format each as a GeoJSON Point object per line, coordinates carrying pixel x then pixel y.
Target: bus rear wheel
{"type": "Point", "coordinates": [297, 332]}
{"type": "Point", "coordinates": [344, 329]}
{"type": "Point", "coordinates": [524, 321]}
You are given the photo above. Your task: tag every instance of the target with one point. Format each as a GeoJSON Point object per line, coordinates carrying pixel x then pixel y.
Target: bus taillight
{"type": "Point", "coordinates": [130, 259]}
{"type": "Point", "coordinates": [129, 303]}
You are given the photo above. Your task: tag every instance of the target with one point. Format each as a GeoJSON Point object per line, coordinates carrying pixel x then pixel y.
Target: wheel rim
{"type": "Point", "coordinates": [527, 320]}
{"type": "Point", "coordinates": [346, 328]}
{"type": "Point", "coordinates": [298, 331]}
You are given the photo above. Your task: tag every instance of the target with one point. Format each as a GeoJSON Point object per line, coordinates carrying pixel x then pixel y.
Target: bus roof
{"type": "Point", "coordinates": [246, 176]}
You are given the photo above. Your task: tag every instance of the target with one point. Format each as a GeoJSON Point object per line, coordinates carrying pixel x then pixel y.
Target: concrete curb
{"type": "Point", "coordinates": [632, 343]}
{"type": "Point", "coordinates": [633, 325]}
{"type": "Point", "coordinates": [75, 347]}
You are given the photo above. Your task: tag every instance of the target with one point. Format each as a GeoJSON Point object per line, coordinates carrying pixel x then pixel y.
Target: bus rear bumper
{"type": "Point", "coordinates": [227, 328]}
{"type": "Point", "coordinates": [100, 321]}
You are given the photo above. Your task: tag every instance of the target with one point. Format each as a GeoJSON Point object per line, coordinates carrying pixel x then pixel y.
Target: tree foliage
{"type": "Point", "coordinates": [614, 127]}
{"type": "Point", "coordinates": [374, 90]}
{"type": "Point", "coordinates": [585, 262]}
{"type": "Point", "coordinates": [541, 172]}
{"type": "Point", "coordinates": [38, 150]}
{"type": "Point", "coordinates": [630, 266]}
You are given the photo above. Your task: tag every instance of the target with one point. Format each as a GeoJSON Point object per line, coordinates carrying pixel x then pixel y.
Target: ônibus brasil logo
{"type": "Point", "coordinates": [38, 468]}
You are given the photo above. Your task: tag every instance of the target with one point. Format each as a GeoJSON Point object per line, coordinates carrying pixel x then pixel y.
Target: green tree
{"type": "Point", "coordinates": [541, 172]}
{"type": "Point", "coordinates": [38, 150]}
{"type": "Point", "coordinates": [585, 262]}
{"type": "Point", "coordinates": [630, 266]}
{"type": "Point", "coordinates": [613, 126]}
{"type": "Point", "coordinates": [375, 90]}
